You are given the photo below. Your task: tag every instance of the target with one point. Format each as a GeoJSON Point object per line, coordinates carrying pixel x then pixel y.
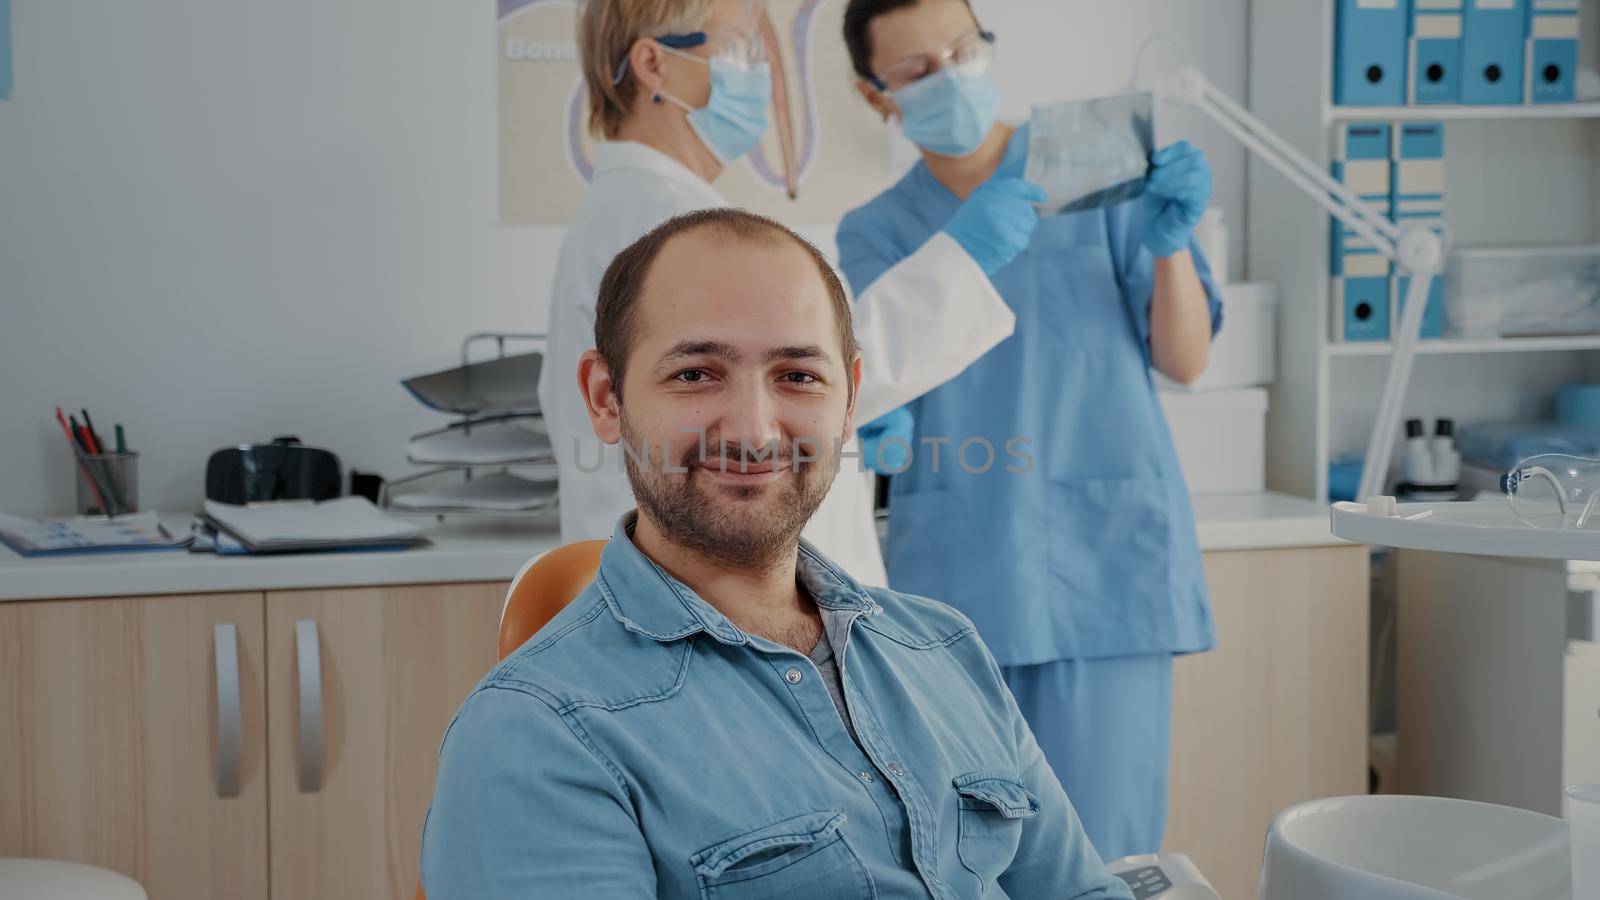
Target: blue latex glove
{"type": "Point", "coordinates": [1175, 195]}
{"type": "Point", "coordinates": [894, 456]}
{"type": "Point", "coordinates": [997, 221]}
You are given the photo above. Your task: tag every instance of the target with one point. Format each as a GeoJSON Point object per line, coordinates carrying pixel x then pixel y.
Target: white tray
{"type": "Point", "coordinates": [1479, 528]}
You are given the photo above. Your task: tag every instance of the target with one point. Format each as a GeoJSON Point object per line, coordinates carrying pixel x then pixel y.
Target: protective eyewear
{"type": "Point", "coordinates": [969, 53]}
{"type": "Point", "coordinates": [744, 49]}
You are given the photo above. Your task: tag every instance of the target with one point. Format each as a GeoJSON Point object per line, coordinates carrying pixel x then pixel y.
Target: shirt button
{"type": "Point", "coordinates": [896, 770]}
{"type": "Point", "coordinates": [793, 676]}
{"type": "Point", "coordinates": [866, 777]}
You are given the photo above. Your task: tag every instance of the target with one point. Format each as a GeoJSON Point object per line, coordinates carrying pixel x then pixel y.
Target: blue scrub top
{"type": "Point", "coordinates": [1090, 552]}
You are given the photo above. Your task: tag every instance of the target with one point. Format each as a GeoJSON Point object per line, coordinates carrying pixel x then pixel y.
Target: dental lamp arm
{"type": "Point", "coordinates": [1416, 250]}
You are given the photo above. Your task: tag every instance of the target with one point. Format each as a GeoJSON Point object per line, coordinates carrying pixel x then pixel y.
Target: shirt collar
{"type": "Point", "coordinates": [613, 155]}
{"type": "Point", "coordinates": [644, 598]}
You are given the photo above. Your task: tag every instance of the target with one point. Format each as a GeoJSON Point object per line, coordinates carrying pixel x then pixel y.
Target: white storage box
{"type": "Point", "coordinates": [1221, 438]}
{"type": "Point", "coordinates": [1244, 353]}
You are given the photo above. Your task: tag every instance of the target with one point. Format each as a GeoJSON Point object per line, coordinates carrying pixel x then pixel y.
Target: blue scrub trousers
{"type": "Point", "coordinates": [1105, 725]}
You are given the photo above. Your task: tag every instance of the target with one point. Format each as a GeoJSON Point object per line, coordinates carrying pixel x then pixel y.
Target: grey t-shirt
{"type": "Point", "coordinates": [822, 657]}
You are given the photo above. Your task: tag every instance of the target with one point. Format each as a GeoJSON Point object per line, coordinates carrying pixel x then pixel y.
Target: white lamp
{"type": "Point", "coordinates": [1418, 250]}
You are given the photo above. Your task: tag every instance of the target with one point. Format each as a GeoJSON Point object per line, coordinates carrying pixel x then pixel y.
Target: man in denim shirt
{"type": "Point", "coordinates": [725, 713]}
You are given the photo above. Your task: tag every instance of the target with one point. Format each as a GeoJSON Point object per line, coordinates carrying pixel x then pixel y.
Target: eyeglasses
{"type": "Point", "coordinates": [972, 51]}
{"type": "Point", "coordinates": [743, 48]}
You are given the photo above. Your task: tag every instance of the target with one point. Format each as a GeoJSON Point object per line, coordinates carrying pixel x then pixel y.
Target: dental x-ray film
{"type": "Point", "coordinates": [1087, 154]}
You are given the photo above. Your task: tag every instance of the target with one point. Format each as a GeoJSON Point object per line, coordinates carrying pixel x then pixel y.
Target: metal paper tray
{"type": "Point", "coordinates": [507, 384]}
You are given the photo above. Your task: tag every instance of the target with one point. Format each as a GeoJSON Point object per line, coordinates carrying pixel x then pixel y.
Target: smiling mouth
{"type": "Point", "coordinates": [731, 470]}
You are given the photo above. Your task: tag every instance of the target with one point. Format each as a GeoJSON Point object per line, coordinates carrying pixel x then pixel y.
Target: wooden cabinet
{"type": "Point", "coordinates": [395, 664]}
{"type": "Point", "coordinates": [110, 719]}
{"type": "Point", "coordinates": [1277, 713]}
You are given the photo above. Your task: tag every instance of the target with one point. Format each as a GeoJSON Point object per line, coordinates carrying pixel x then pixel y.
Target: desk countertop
{"type": "Point", "coordinates": [466, 550]}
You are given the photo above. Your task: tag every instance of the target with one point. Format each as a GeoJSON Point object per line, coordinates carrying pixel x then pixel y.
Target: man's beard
{"type": "Point", "coordinates": [756, 534]}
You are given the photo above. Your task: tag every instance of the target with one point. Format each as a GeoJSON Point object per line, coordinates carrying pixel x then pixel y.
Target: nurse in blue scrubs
{"type": "Point", "coordinates": [1074, 549]}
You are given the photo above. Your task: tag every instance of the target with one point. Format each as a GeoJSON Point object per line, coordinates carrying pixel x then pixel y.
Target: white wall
{"type": "Point", "coordinates": [220, 222]}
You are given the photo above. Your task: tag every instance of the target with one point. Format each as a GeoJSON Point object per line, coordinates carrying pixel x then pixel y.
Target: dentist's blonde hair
{"type": "Point", "coordinates": [607, 30]}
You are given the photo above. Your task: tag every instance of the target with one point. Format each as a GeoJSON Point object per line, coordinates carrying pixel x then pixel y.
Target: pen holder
{"type": "Point", "coordinates": [108, 483]}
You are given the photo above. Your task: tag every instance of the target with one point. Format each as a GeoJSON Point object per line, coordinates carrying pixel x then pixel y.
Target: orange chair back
{"type": "Point", "coordinates": [544, 588]}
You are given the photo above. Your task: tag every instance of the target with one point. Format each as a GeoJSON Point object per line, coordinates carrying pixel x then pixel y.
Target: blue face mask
{"type": "Point", "coordinates": [948, 112]}
{"type": "Point", "coordinates": [736, 115]}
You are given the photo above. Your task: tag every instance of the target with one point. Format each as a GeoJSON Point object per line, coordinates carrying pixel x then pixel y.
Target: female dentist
{"type": "Point", "coordinates": [1075, 555]}
{"type": "Point", "coordinates": [679, 89]}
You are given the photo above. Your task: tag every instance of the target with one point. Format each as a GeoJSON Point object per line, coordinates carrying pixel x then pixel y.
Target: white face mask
{"type": "Point", "coordinates": [949, 112]}
{"type": "Point", "coordinates": [735, 116]}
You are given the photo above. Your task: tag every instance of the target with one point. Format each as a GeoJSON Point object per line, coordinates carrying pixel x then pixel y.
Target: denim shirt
{"type": "Point", "coordinates": [641, 745]}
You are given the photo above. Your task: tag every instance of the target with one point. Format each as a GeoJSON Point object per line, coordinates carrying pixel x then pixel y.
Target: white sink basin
{"type": "Point", "coordinates": [1414, 848]}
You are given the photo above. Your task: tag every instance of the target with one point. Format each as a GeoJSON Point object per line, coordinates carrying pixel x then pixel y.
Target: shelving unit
{"type": "Point", "coordinates": [1445, 346]}
{"type": "Point", "coordinates": [1517, 175]}
{"type": "Point", "coordinates": [1587, 110]}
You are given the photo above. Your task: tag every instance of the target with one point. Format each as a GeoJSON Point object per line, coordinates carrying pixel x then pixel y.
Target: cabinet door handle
{"type": "Point", "coordinates": [225, 635]}
{"type": "Point", "coordinates": [308, 656]}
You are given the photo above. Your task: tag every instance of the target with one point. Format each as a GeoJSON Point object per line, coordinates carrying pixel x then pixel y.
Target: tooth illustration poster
{"type": "Point", "coordinates": [546, 150]}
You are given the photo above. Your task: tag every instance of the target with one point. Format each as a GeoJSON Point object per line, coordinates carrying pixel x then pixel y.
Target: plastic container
{"type": "Point", "coordinates": [1523, 291]}
{"type": "Point", "coordinates": [1344, 477]}
{"type": "Point", "coordinates": [1579, 405]}
{"type": "Point", "coordinates": [1244, 353]}
{"type": "Point", "coordinates": [1221, 439]}
{"type": "Point", "coordinates": [1501, 446]}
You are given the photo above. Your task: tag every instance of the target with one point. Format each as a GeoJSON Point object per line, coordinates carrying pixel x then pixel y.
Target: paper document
{"type": "Point", "coordinates": [499, 492]}
{"type": "Point", "coordinates": [346, 521]}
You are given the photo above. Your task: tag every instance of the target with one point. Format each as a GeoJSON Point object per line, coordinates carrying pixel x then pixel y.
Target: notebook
{"type": "Point", "coordinates": [344, 523]}
{"type": "Point", "coordinates": [53, 537]}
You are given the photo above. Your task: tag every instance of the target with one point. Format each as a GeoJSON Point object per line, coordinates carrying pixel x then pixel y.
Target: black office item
{"type": "Point", "coordinates": [366, 484]}
{"type": "Point", "coordinates": [282, 470]}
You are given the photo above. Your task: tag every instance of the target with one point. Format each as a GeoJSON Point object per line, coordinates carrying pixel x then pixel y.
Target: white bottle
{"type": "Point", "coordinates": [1446, 459]}
{"type": "Point", "coordinates": [1418, 464]}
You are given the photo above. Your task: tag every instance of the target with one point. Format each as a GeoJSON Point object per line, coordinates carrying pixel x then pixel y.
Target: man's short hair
{"type": "Point", "coordinates": [616, 318]}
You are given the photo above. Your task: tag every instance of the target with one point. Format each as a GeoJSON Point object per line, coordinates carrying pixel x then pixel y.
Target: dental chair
{"type": "Point", "coordinates": [542, 588]}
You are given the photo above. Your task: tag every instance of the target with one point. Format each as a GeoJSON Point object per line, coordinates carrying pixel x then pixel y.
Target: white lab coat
{"type": "Point", "coordinates": [919, 325]}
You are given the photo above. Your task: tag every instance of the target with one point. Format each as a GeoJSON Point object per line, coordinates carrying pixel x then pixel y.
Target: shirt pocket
{"type": "Point", "coordinates": [992, 808]}
{"type": "Point", "coordinates": [803, 856]}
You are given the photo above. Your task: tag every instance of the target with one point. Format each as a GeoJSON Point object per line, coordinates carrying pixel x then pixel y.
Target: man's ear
{"type": "Point", "coordinates": [600, 397]}
{"type": "Point", "coordinates": [855, 392]}
{"type": "Point", "coordinates": [878, 100]}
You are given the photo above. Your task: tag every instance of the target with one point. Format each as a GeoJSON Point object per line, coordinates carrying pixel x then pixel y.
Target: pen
{"type": "Point", "coordinates": [88, 472]}
{"type": "Point", "coordinates": [77, 435]}
{"type": "Point", "coordinates": [122, 443]}
{"type": "Point", "coordinates": [89, 441]}
{"type": "Point", "coordinates": [94, 436]}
